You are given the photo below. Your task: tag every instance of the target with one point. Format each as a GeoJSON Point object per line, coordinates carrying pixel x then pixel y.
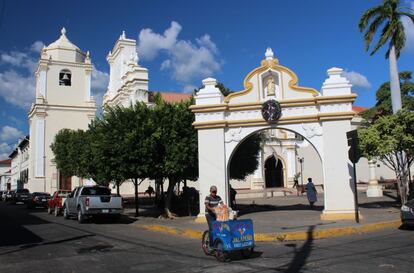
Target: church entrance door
{"type": "Point", "coordinates": [273, 173]}
{"type": "Point", "coordinates": [65, 183]}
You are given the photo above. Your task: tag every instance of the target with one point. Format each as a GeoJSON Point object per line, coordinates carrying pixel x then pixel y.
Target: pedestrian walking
{"type": "Point", "coordinates": [311, 192]}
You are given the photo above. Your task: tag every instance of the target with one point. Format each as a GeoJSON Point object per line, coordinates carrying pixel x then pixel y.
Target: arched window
{"type": "Point", "coordinates": [65, 77]}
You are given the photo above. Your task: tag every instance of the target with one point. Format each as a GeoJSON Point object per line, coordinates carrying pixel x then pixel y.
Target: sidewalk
{"type": "Point", "coordinates": [290, 218]}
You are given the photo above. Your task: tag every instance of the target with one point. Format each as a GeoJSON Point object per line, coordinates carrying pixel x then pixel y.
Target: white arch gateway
{"type": "Point", "coordinates": [323, 118]}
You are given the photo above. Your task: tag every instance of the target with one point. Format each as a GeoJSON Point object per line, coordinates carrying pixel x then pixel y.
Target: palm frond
{"type": "Point", "coordinates": [385, 35]}
{"type": "Point", "coordinates": [369, 15]}
{"type": "Point", "coordinates": [369, 34]}
{"type": "Point", "coordinates": [398, 38]}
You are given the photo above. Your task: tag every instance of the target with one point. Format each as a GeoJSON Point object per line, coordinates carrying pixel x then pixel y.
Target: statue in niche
{"type": "Point", "coordinates": [271, 88]}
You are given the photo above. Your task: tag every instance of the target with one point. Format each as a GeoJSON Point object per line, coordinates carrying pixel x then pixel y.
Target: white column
{"type": "Point", "coordinates": [42, 83]}
{"type": "Point", "coordinates": [40, 147]}
{"type": "Point", "coordinates": [212, 165]}
{"type": "Point", "coordinates": [337, 169]}
{"type": "Point", "coordinates": [374, 190]}
{"type": "Point", "coordinates": [88, 85]}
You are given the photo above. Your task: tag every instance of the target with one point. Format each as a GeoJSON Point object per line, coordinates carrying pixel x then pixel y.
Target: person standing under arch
{"type": "Point", "coordinates": [311, 193]}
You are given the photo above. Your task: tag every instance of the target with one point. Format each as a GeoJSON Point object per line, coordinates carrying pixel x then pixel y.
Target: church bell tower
{"type": "Point", "coordinates": [63, 100]}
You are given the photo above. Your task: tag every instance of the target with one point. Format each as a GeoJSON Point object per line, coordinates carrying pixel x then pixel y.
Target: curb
{"type": "Point", "coordinates": [283, 236]}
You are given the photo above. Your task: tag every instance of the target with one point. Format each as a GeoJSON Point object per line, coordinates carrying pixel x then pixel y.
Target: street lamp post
{"type": "Point", "coordinates": [301, 160]}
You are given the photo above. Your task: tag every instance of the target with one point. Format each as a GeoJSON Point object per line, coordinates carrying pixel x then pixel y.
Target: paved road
{"type": "Point", "coordinates": [32, 241]}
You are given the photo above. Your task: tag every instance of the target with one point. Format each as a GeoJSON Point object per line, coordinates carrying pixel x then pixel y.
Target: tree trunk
{"type": "Point", "coordinates": [395, 82]}
{"type": "Point", "coordinates": [136, 196]}
{"type": "Point", "coordinates": [170, 192]}
{"type": "Point", "coordinates": [117, 189]}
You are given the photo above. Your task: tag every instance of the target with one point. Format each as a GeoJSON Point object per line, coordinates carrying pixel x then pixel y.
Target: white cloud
{"type": "Point", "coordinates": [37, 46]}
{"type": "Point", "coordinates": [8, 133]}
{"type": "Point", "coordinates": [99, 84]}
{"type": "Point", "coordinates": [409, 31]}
{"type": "Point", "coordinates": [150, 43]}
{"type": "Point", "coordinates": [17, 89]}
{"type": "Point", "coordinates": [5, 150]}
{"type": "Point", "coordinates": [357, 79]}
{"type": "Point", "coordinates": [187, 62]}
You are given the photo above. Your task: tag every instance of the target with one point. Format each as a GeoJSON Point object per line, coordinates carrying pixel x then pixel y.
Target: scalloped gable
{"type": "Point", "coordinates": [257, 81]}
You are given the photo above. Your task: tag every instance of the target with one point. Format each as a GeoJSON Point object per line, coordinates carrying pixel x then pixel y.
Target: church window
{"type": "Point", "coordinates": [65, 77]}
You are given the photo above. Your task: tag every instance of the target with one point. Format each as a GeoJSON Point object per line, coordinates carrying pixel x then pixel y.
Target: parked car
{"type": "Point", "coordinates": [8, 196]}
{"type": "Point", "coordinates": [88, 201]}
{"type": "Point", "coordinates": [55, 204]}
{"type": "Point", "coordinates": [407, 213]}
{"type": "Point", "coordinates": [20, 195]}
{"type": "Point", "coordinates": [38, 199]}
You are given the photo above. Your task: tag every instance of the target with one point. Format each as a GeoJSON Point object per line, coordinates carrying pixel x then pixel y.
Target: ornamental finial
{"type": "Point", "coordinates": [63, 31]}
{"type": "Point", "coordinates": [269, 54]}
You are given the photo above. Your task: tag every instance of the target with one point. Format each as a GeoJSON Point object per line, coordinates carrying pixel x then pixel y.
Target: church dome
{"type": "Point", "coordinates": [62, 42]}
{"type": "Point", "coordinates": [64, 50]}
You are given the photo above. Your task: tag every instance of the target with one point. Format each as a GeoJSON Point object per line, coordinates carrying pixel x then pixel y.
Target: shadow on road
{"type": "Point", "coordinates": [13, 226]}
{"type": "Point", "coordinates": [301, 254]}
{"type": "Point", "coordinates": [252, 208]}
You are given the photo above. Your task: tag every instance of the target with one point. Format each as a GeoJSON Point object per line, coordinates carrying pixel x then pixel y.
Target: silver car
{"type": "Point", "coordinates": [407, 213]}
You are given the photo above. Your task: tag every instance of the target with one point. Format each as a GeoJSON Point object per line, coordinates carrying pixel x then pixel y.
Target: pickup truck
{"type": "Point", "coordinates": [55, 204]}
{"type": "Point", "coordinates": [88, 201]}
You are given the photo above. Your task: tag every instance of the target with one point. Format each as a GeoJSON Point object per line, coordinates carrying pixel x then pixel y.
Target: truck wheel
{"type": "Point", "coordinates": [49, 210]}
{"type": "Point", "coordinates": [65, 213]}
{"type": "Point", "coordinates": [56, 212]}
{"type": "Point", "coordinates": [81, 217]}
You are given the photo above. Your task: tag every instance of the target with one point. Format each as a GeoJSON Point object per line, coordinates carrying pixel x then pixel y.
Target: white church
{"type": "Point", "coordinates": [63, 100]}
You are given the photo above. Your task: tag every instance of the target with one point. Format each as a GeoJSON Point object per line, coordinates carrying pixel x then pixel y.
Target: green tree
{"type": "Point", "coordinates": [383, 96]}
{"type": "Point", "coordinates": [133, 148]}
{"type": "Point", "coordinates": [177, 145]}
{"type": "Point", "coordinates": [389, 14]}
{"type": "Point", "coordinates": [245, 159]}
{"type": "Point", "coordinates": [71, 151]}
{"type": "Point", "coordinates": [388, 137]}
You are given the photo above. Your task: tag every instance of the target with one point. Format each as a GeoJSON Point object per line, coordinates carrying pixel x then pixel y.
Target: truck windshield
{"type": "Point", "coordinates": [96, 191]}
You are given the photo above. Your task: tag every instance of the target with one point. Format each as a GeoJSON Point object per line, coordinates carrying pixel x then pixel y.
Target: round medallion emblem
{"type": "Point", "coordinates": [271, 111]}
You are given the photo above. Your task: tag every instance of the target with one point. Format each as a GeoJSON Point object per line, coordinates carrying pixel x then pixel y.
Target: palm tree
{"type": "Point", "coordinates": [388, 14]}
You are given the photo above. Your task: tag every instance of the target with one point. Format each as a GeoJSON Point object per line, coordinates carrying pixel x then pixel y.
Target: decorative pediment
{"type": "Point", "coordinates": [270, 81]}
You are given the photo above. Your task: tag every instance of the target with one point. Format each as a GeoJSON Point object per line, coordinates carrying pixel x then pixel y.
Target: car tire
{"type": "Point", "coordinates": [81, 217]}
{"type": "Point", "coordinates": [65, 213]}
{"type": "Point", "coordinates": [49, 210]}
{"type": "Point", "coordinates": [56, 212]}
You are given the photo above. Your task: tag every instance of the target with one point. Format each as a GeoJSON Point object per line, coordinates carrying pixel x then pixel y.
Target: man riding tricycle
{"type": "Point", "coordinates": [225, 233]}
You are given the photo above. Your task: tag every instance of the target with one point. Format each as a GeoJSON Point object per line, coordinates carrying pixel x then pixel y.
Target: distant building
{"type": "Point", "coordinates": [5, 178]}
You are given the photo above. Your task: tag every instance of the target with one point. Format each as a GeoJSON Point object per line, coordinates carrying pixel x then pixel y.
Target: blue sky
{"type": "Point", "coordinates": [182, 42]}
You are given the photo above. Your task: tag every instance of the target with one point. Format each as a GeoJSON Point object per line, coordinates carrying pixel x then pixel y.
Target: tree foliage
{"type": "Point", "coordinates": [245, 159]}
{"type": "Point", "coordinates": [388, 15]}
{"type": "Point", "coordinates": [383, 96]}
{"type": "Point", "coordinates": [388, 138]}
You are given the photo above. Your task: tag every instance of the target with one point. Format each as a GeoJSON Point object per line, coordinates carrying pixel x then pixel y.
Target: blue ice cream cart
{"type": "Point", "coordinates": [229, 236]}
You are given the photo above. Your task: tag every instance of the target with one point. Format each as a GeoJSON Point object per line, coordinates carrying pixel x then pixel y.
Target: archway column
{"type": "Point", "coordinates": [337, 168]}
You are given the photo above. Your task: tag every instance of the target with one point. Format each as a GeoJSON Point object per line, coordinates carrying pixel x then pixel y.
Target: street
{"type": "Point", "coordinates": [33, 241]}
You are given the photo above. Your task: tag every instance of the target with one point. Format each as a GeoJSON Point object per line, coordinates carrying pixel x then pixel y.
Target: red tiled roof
{"type": "Point", "coordinates": [359, 109]}
{"type": "Point", "coordinates": [174, 97]}
{"type": "Point", "coordinates": [5, 161]}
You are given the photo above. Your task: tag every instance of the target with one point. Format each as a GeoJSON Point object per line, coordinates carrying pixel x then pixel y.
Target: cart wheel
{"type": "Point", "coordinates": [246, 252]}
{"type": "Point", "coordinates": [205, 243]}
{"type": "Point", "coordinates": [221, 254]}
